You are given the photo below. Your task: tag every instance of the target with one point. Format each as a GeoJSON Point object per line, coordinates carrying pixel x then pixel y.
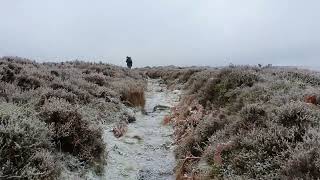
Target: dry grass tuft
{"type": "Point", "coordinates": [135, 97]}
{"type": "Point", "coordinates": [132, 93]}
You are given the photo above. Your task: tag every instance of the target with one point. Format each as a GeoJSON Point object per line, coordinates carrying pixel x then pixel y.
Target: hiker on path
{"type": "Point", "coordinates": [129, 62]}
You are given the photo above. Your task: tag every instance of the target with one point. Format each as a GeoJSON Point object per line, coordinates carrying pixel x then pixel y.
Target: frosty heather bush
{"type": "Point", "coordinates": [297, 114]}
{"type": "Point", "coordinates": [253, 113]}
{"type": "Point", "coordinates": [229, 80]}
{"type": "Point", "coordinates": [22, 138]}
{"type": "Point", "coordinates": [96, 78]}
{"type": "Point", "coordinates": [72, 133]}
{"type": "Point", "coordinates": [7, 90]}
{"type": "Point", "coordinates": [28, 82]}
{"type": "Point", "coordinates": [7, 74]}
{"type": "Point", "coordinates": [59, 93]}
{"type": "Point", "coordinates": [300, 75]}
{"type": "Point", "coordinates": [304, 162]}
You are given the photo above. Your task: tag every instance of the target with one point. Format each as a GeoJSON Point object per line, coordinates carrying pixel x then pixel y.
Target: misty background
{"type": "Point", "coordinates": [163, 32]}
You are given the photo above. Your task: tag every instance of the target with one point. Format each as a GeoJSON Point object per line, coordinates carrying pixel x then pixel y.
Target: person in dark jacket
{"type": "Point", "coordinates": [129, 62]}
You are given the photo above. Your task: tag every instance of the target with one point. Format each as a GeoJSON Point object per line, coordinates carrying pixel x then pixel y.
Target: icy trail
{"type": "Point", "coordinates": [145, 152]}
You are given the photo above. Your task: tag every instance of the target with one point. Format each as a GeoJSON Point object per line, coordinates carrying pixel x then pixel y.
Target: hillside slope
{"type": "Point", "coordinates": [51, 114]}
{"type": "Point", "coordinates": [245, 122]}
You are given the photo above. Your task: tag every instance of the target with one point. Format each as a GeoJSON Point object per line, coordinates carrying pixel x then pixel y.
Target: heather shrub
{"type": "Point", "coordinates": [172, 76]}
{"type": "Point", "coordinates": [42, 74]}
{"type": "Point", "coordinates": [72, 133]}
{"type": "Point", "coordinates": [105, 93]}
{"type": "Point", "coordinates": [24, 97]}
{"type": "Point", "coordinates": [25, 145]}
{"type": "Point", "coordinates": [28, 82]}
{"type": "Point", "coordinates": [100, 111]}
{"type": "Point", "coordinates": [59, 93]}
{"type": "Point", "coordinates": [186, 145]}
{"type": "Point", "coordinates": [297, 114]}
{"type": "Point", "coordinates": [7, 74]}
{"type": "Point", "coordinates": [96, 78]}
{"type": "Point", "coordinates": [219, 89]}
{"type": "Point", "coordinates": [17, 60]}
{"type": "Point", "coordinates": [304, 160]}
{"type": "Point", "coordinates": [43, 165]}
{"type": "Point", "coordinates": [198, 80]}
{"type": "Point", "coordinates": [83, 96]}
{"type": "Point", "coordinates": [7, 90]}
{"type": "Point", "coordinates": [262, 143]}
{"type": "Point", "coordinates": [253, 113]}
{"type": "Point", "coordinates": [60, 85]}
{"type": "Point", "coordinates": [257, 93]}
{"type": "Point", "coordinates": [185, 75]}
{"type": "Point", "coordinates": [198, 138]}
{"type": "Point", "coordinates": [306, 77]}
{"type": "Point", "coordinates": [90, 90]}
{"type": "Point", "coordinates": [208, 126]}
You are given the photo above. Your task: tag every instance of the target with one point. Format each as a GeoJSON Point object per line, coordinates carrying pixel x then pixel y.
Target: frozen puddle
{"type": "Point", "coordinates": [145, 151]}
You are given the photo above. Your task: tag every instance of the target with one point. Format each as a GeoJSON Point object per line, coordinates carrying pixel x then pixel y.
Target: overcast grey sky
{"type": "Point", "coordinates": [163, 32]}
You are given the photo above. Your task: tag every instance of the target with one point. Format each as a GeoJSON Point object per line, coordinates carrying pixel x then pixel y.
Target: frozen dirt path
{"type": "Point", "coordinates": [145, 151]}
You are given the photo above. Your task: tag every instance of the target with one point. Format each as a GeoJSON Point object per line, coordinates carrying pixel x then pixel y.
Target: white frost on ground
{"type": "Point", "coordinates": [148, 158]}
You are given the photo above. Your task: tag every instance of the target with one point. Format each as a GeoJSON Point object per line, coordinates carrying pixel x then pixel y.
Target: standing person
{"type": "Point", "coordinates": [129, 62]}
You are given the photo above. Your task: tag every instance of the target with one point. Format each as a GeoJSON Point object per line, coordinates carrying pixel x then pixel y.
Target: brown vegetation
{"type": "Point", "coordinates": [120, 129]}
{"type": "Point", "coordinates": [134, 96]}
{"type": "Point", "coordinates": [311, 99]}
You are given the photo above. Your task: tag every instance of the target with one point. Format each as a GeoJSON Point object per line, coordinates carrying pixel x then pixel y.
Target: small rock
{"type": "Point", "coordinates": [161, 108]}
{"type": "Point", "coordinates": [131, 119]}
{"type": "Point", "coordinates": [176, 91]}
{"type": "Point", "coordinates": [129, 141]}
{"type": "Point", "coordinates": [137, 137]}
{"type": "Point", "coordinates": [159, 90]}
{"type": "Point", "coordinates": [115, 147]}
{"type": "Point", "coordinates": [144, 112]}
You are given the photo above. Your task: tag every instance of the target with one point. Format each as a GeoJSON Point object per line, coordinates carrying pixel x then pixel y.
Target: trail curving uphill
{"type": "Point", "coordinates": [145, 151]}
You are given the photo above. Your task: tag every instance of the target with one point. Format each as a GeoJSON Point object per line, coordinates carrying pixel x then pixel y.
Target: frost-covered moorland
{"type": "Point", "coordinates": [245, 122]}
{"type": "Point", "coordinates": [51, 115]}
{"type": "Point", "coordinates": [237, 122]}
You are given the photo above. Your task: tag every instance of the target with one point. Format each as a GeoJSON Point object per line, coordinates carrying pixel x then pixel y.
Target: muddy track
{"type": "Point", "coordinates": [145, 151]}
